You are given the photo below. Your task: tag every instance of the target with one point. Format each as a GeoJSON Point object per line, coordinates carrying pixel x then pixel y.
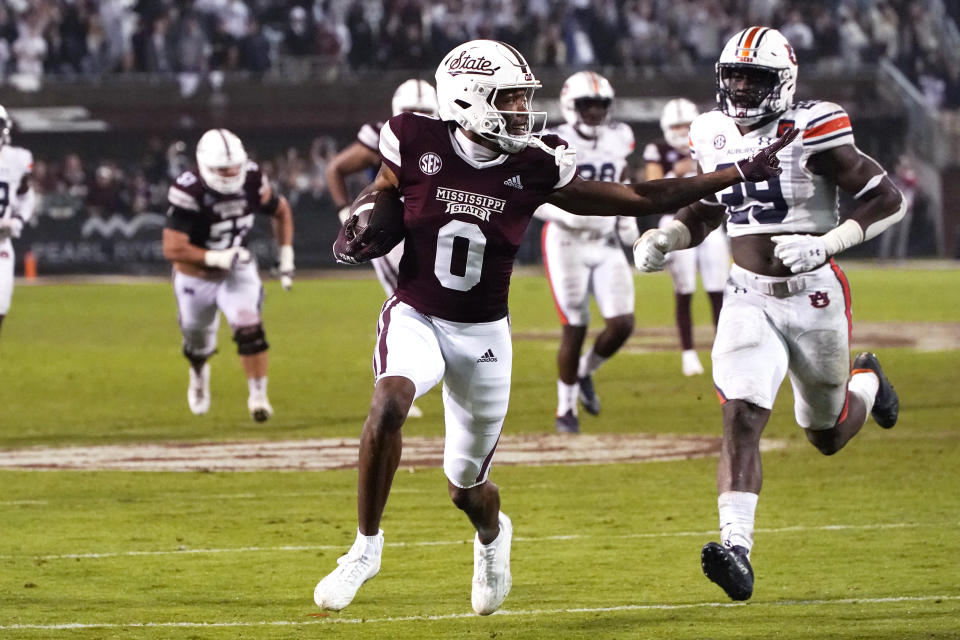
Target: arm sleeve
{"type": "Point", "coordinates": [180, 220]}
{"type": "Point", "coordinates": [369, 136]}
{"type": "Point", "coordinates": [828, 126]}
{"type": "Point", "coordinates": [390, 143]}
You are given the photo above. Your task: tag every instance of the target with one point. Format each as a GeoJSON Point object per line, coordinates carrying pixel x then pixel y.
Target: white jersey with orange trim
{"type": "Point", "coordinates": [602, 158]}
{"type": "Point", "coordinates": [797, 201]}
{"type": "Point", "coordinates": [15, 163]}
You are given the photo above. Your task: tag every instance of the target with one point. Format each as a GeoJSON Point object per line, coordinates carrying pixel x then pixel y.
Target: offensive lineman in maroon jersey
{"type": "Point", "coordinates": [471, 181]}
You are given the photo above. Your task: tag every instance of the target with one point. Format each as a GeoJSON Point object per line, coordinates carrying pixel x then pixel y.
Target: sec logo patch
{"type": "Point", "coordinates": [430, 163]}
{"type": "Point", "coordinates": [719, 142]}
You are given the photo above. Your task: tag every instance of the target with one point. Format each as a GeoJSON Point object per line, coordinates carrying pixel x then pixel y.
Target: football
{"type": "Point", "coordinates": [375, 226]}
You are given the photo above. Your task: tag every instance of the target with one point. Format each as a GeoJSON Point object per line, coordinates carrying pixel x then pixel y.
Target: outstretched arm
{"type": "Point", "coordinates": [881, 205]}
{"type": "Point", "coordinates": [586, 197]}
{"type": "Point", "coordinates": [354, 158]}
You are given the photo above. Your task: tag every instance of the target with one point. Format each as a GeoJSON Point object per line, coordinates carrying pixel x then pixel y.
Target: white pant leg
{"type": "Point", "coordinates": [713, 260]}
{"type": "Point", "coordinates": [817, 325]}
{"type": "Point", "coordinates": [568, 274]}
{"type": "Point", "coordinates": [240, 296]}
{"type": "Point", "coordinates": [750, 357]}
{"type": "Point", "coordinates": [388, 269]}
{"type": "Point", "coordinates": [7, 260]}
{"type": "Point", "coordinates": [476, 393]}
{"type": "Point", "coordinates": [197, 313]}
{"type": "Point", "coordinates": [612, 281]}
{"type": "Point", "coordinates": [407, 346]}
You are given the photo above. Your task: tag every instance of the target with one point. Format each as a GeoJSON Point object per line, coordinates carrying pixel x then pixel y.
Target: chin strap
{"type": "Point", "coordinates": [564, 157]}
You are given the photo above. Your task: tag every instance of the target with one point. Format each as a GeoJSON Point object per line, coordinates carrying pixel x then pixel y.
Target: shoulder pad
{"type": "Point", "coordinates": [183, 192]}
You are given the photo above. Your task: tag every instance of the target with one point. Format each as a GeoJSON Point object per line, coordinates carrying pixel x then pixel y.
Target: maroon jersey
{"type": "Point", "coordinates": [464, 219]}
{"type": "Point", "coordinates": [663, 154]}
{"type": "Point", "coordinates": [369, 136]}
{"type": "Point", "coordinates": [214, 220]}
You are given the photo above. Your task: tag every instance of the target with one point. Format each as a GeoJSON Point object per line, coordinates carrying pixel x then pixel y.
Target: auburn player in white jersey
{"type": "Point", "coordinates": [17, 201]}
{"type": "Point", "coordinates": [670, 157]}
{"type": "Point", "coordinates": [416, 96]}
{"type": "Point", "coordinates": [582, 254]}
{"type": "Point", "coordinates": [211, 212]}
{"type": "Point", "coordinates": [786, 307]}
{"type": "Point", "coordinates": [470, 182]}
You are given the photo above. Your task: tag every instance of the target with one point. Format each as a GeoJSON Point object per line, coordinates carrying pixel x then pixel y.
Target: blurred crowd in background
{"type": "Point", "coordinates": [200, 40]}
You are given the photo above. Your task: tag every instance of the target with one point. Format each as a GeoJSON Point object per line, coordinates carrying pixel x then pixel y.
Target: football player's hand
{"type": "Point", "coordinates": [10, 228]}
{"type": "Point", "coordinates": [799, 252]}
{"type": "Point", "coordinates": [226, 258]}
{"type": "Point", "coordinates": [650, 251]}
{"type": "Point", "coordinates": [286, 267]}
{"type": "Point", "coordinates": [764, 164]}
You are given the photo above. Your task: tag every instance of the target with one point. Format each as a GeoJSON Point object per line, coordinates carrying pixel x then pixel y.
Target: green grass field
{"type": "Point", "coordinates": [859, 545]}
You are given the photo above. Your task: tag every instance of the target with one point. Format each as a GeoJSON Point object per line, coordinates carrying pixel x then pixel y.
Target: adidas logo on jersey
{"type": "Point", "coordinates": [487, 357]}
{"type": "Point", "coordinates": [513, 182]}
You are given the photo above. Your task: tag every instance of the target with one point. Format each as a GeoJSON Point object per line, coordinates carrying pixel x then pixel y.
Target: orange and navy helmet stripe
{"type": "Point", "coordinates": [749, 41]}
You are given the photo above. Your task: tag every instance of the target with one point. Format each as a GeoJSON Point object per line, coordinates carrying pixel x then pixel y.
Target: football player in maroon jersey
{"type": "Point", "coordinates": [470, 181]}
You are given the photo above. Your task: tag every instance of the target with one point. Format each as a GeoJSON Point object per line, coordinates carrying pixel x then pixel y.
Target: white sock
{"type": "Point", "coordinates": [737, 509]}
{"type": "Point", "coordinates": [369, 545]}
{"type": "Point", "coordinates": [257, 386]}
{"type": "Point", "coordinates": [567, 397]}
{"type": "Point", "coordinates": [864, 385]}
{"type": "Point", "coordinates": [589, 363]}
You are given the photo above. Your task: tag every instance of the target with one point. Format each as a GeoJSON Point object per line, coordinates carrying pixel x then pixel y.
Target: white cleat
{"type": "Point", "coordinates": [260, 409]}
{"type": "Point", "coordinates": [415, 412]}
{"type": "Point", "coordinates": [360, 564]}
{"type": "Point", "coordinates": [198, 393]}
{"type": "Point", "coordinates": [691, 363]}
{"type": "Point", "coordinates": [491, 570]}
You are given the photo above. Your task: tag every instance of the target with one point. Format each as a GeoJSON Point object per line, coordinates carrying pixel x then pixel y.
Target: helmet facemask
{"type": "Point", "coordinates": [511, 129]}
{"type": "Point", "coordinates": [756, 94]}
{"type": "Point", "coordinates": [587, 119]}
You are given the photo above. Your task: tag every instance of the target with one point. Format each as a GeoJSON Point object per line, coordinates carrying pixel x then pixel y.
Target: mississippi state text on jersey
{"type": "Point", "coordinates": [214, 220]}
{"type": "Point", "coordinates": [796, 201]}
{"type": "Point", "coordinates": [602, 158]}
{"type": "Point", "coordinates": [464, 219]}
{"type": "Point", "coordinates": [15, 163]}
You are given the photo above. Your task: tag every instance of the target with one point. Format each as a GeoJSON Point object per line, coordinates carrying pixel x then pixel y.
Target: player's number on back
{"type": "Point", "coordinates": [772, 208]}
{"type": "Point", "coordinates": [459, 262]}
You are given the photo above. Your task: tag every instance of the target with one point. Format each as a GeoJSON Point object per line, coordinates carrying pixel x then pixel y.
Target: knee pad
{"type": "Point", "coordinates": [250, 340]}
{"type": "Point", "coordinates": [195, 357]}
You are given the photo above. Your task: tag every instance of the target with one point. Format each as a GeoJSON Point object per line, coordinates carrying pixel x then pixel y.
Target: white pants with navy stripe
{"type": "Point", "coordinates": [474, 360]}
{"type": "Point", "coordinates": [761, 338]}
{"type": "Point", "coordinates": [7, 260]}
{"type": "Point", "coordinates": [578, 265]}
{"type": "Point", "coordinates": [239, 296]}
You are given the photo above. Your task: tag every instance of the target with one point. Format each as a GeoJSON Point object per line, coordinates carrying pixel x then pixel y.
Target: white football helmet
{"type": "Point", "coordinates": [468, 82]}
{"type": "Point", "coordinates": [415, 95]}
{"type": "Point", "coordinates": [757, 50]}
{"type": "Point", "coordinates": [221, 158]}
{"type": "Point", "coordinates": [5, 126]}
{"type": "Point", "coordinates": [677, 113]}
{"type": "Point", "coordinates": [584, 85]}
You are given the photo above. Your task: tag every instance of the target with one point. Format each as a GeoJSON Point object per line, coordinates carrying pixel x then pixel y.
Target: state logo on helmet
{"type": "Point", "coordinates": [582, 97]}
{"type": "Point", "coordinates": [767, 67]}
{"type": "Point", "coordinates": [221, 159]}
{"type": "Point", "coordinates": [469, 81]}
{"type": "Point", "coordinates": [5, 125]}
{"type": "Point", "coordinates": [675, 123]}
{"type": "Point", "coordinates": [415, 95]}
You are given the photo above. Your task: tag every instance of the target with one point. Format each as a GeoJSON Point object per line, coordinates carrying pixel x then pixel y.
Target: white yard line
{"type": "Point", "coordinates": [457, 616]}
{"type": "Point", "coordinates": [440, 543]}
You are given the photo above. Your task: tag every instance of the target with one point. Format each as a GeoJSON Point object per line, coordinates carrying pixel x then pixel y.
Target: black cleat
{"type": "Point", "coordinates": [568, 423]}
{"type": "Point", "coordinates": [588, 396]}
{"type": "Point", "coordinates": [729, 568]}
{"type": "Point", "coordinates": [886, 406]}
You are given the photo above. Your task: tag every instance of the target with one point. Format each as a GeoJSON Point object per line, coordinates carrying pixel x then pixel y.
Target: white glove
{"type": "Point", "coordinates": [800, 252]}
{"type": "Point", "coordinates": [650, 251]}
{"type": "Point", "coordinates": [286, 267]}
{"type": "Point", "coordinates": [344, 214]}
{"type": "Point", "coordinates": [10, 228]}
{"type": "Point", "coordinates": [225, 258]}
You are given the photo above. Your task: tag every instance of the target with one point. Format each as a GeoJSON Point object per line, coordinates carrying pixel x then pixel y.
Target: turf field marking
{"type": "Point", "coordinates": [441, 543]}
{"type": "Point", "coordinates": [14, 503]}
{"type": "Point", "coordinates": [457, 616]}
